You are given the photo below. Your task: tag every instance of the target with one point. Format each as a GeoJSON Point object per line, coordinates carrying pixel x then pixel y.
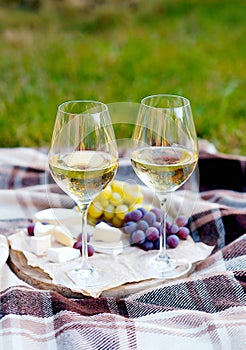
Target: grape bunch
{"type": "Point", "coordinates": [143, 228]}
{"type": "Point", "coordinates": [114, 202]}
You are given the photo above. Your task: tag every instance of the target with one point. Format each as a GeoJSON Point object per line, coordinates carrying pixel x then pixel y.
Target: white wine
{"type": "Point", "coordinates": [163, 169]}
{"type": "Point", "coordinates": [83, 174]}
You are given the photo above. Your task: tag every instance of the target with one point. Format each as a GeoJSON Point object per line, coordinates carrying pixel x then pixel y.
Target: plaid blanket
{"type": "Point", "coordinates": [206, 310]}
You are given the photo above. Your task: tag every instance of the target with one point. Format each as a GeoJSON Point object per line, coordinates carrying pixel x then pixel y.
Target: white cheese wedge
{"type": "Point", "coordinates": [40, 245]}
{"type": "Point", "coordinates": [62, 254]}
{"type": "Point", "coordinates": [69, 218]}
{"type": "Point", "coordinates": [43, 230]}
{"type": "Point", "coordinates": [57, 215]}
{"type": "Point", "coordinates": [63, 237]}
{"type": "Point", "coordinates": [106, 233]}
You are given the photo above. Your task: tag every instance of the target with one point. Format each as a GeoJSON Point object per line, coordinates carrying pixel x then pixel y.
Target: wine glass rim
{"type": "Point", "coordinates": [172, 96]}
{"type": "Point", "coordinates": [60, 107]}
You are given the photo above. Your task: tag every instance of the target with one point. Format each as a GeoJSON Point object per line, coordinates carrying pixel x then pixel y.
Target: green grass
{"type": "Point", "coordinates": [118, 53]}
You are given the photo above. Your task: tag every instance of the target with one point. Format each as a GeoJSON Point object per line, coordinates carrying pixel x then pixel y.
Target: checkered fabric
{"type": "Point", "coordinates": [206, 310]}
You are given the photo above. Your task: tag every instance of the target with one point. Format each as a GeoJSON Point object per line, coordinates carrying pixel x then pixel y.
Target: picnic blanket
{"type": "Point", "coordinates": [206, 310]}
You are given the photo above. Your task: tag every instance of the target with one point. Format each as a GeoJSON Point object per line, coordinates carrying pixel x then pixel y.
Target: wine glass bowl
{"type": "Point", "coordinates": [83, 159]}
{"type": "Point", "coordinates": [165, 154]}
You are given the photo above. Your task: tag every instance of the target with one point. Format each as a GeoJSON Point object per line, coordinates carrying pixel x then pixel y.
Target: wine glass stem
{"type": "Point", "coordinates": [84, 265]}
{"type": "Point", "coordinates": [162, 255]}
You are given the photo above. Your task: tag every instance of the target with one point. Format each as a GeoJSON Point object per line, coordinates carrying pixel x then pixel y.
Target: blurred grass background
{"type": "Point", "coordinates": [119, 51]}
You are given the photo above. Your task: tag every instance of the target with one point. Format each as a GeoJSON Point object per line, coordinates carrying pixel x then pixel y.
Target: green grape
{"type": "Point", "coordinates": [121, 211]}
{"type": "Point", "coordinates": [108, 212]}
{"type": "Point", "coordinates": [106, 193]}
{"type": "Point", "coordinates": [116, 199]}
{"type": "Point", "coordinates": [104, 201]}
{"type": "Point", "coordinates": [117, 222]}
{"type": "Point", "coordinates": [118, 186]}
{"type": "Point", "coordinates": [95, 210]}
{"type": "Point", "coordinates": [114, 202]}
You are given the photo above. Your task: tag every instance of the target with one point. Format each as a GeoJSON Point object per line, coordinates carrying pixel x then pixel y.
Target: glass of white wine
{"type": "Point", "coordinates": [164, 156]}
{"type": "Point", "coordinates": [83, 159]}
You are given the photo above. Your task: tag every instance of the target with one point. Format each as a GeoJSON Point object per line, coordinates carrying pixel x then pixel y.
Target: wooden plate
{"type": "Point", "coordinates": [35, 276]}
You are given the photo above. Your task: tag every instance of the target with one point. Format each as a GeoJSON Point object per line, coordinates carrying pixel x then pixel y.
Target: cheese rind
{"type": "Point", "coordinates": [68, 218]}
{"type": "Point", "coordinates": [62, 254]}
{"type": "Point", "coordinates": [63, 237]}
{"type": "Point", "coordinates": [106, 233]}
{"type": "Point", "coordinates": [40, 245]}
{"type": "Point", "coordinates": [55, 216]}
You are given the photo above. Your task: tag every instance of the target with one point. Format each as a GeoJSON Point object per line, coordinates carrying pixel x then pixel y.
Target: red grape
{"type": "Point", "coordinates": [143, 210]}
{"type": "Point", "coordinates": [173, 228]}
{"type": "Point", "coordinates": [172, 241]}
{"type": "Point", "coordinates": [79, 238]}
{"type": "Point", "coordinates": [142, 225]}
{"type": "Point", "coordinates": [150, 217]}
{"type": "Point", "coordinates": [157, 213]}
{"type": "Point", "coordinates": [152, 233]}
{"type": "Point", "coordinates": [136, 215]}
{"type": "Point", "coordinates": [78, 245]}
{"type": "Point", "coordinates": [130, 227]}
{"type": "Point", "coordinates": [90, 250]}
{"type": "Point", "coordinates": [128, 217]}
{"type": "Point", "coordinates": [147, 245]}
{"type": "Point", "coordinates": [30, 230]}
{"type": "Point", "coordinates": [138, 237]}
{"type": "Point", "coordinates": [183, 232]}
{"type": "Point", "coordinates": [181, 220]}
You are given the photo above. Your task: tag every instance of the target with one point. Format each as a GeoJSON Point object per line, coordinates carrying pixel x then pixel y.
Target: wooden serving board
{"type": "Point", "coordinates": [35, 276]}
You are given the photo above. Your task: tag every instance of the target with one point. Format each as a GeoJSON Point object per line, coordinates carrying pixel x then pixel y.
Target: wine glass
{"type": "Point", "coordinates": [165, 155]}
{"type": "Point", "coordinates": [83, 159]}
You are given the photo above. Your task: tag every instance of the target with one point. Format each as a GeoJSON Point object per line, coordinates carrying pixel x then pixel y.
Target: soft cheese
{"type": "Point", "coordinates": [62, 254]}
{"type": "Point", "coordinates": [57, 215]}
{"type": "Point", "coordinates": [106, 233]}
{"type": "Point", "coordinates": [68, 218]}
{"type": "Point", "coordinates": [43, 230]}
{"type": "Point", "coordinates": [63, 237]}
{"type": "Point", "coordinates": [40, 245]}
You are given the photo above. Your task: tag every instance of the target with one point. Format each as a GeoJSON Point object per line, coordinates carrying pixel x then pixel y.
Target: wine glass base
{"type": "Point", "coordinates": [170, 268]}
{"type": "Point", "coordinates": [86, 278]}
